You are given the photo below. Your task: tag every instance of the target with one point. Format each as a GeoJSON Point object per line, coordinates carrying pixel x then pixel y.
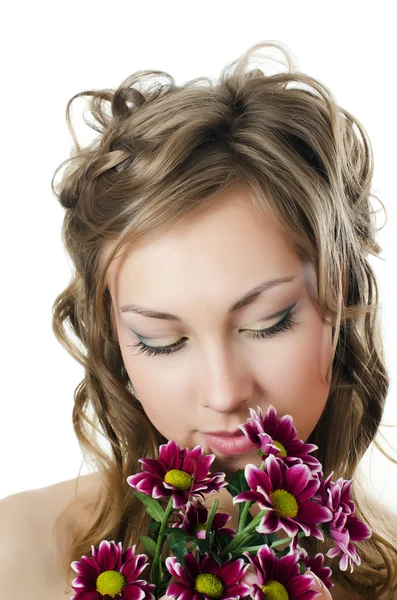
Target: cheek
{"type": "Point", "coordinates": [160, 388]}
{"type": "Point", "coordinates": [291, 376]}
{"type": "Point", "coordinates": [295, 380]}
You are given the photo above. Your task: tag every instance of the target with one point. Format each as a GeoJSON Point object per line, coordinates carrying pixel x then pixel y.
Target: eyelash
{"type": "Point", "coordinates": [285, 324]}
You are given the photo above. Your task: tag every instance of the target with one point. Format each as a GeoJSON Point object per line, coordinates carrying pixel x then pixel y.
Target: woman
{"type": "Point", "coordinates": [220, 236]}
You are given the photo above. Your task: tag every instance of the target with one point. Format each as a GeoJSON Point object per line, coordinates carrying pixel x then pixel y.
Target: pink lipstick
{"type": "Point", "coordinates": [231, 444]}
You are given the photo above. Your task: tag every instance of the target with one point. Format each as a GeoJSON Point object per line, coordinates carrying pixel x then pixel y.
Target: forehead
{"type": "Point", "coordinates": [230, 242]}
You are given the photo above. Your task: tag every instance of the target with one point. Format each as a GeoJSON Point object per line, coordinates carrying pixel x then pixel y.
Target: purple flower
{"type": "Point", "coordinates": [177, 473]}
{"type": "Point", "coordinates": [110, 572]}
{"type": "Point", "coordinates": [193, 520]}
{"type": "Point", "coordinates": [206, 579]}
{"type": "Point", "coordinates": [344, 527]}
{"type": "Point", "coordinates": [287, 493]}
{"type": "Point", "coordinates": [316, 566]}
{"type": "Point", "coordinates": [337, 494]}
{"type": "Point", "coordinates": [350, 527]}
{"type": "Point", "coordinates": [277, 436]}
{"type": "Point", "coordinates": [279, 577]}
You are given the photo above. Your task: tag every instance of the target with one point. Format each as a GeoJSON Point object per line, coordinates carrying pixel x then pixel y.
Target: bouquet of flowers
{"type": "Point", "coordinates": [209, 561]}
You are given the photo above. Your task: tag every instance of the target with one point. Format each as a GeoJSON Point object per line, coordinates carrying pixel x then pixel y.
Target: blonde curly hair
{"type": "Point", "coordinates": [161, 153]}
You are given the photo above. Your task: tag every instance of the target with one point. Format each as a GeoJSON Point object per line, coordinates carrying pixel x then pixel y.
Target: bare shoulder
{"type": "Point", "coordinates": [29, 537]}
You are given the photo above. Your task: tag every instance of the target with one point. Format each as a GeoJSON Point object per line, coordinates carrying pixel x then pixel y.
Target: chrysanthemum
{"type": "Point", "coordinates": [279, 578]}
{"type": "Point", "coordinates": [287, 494]}
{"type": "Point", "coordinates": [111, 573]}
{"type": "Point", "coordinates": [316, 566]}
{"type": "Point", "coordinates": [335, 494]}
{"type": "Point", "coordinates": [205, 579]}
{"type": "Point", "coordinates": [177, 473]}
{"type": "Point", "coordinates": [193, 520]}
{"type": "Point", "coordinates": [344, 527]}
{"type": "Point", "coordinates": [274, 435]}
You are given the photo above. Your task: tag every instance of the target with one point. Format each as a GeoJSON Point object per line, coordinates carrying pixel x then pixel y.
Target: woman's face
{"type": "Point", "coordinates": [197, 272]}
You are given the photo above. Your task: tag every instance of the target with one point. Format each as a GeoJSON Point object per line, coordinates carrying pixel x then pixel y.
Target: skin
{"type": "Point", "coordinates": [197, 271]}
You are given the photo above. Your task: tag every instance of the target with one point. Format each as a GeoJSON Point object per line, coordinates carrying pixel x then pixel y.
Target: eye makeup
{"type": "Point", "coordinates": [286, 322]}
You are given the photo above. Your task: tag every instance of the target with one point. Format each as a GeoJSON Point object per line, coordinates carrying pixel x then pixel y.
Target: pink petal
{"type": "Point", "coordinates": [220, 520]}
{"type": "Point", "coordinates": [310, 512]}
{"type": "Point", "coordinates": [153, 466]}
{"type": "Point", "coordinates": [269, 523]}
{"type": "Point", "coordinates": [229, 573]}
{"type": "Point", "coordinates": [299, 584]}
{"type": "Point", "coordinates": [256, 477]}
{"type": "Point", "coordinates": [290, 526]}
{"type": "Point", "coordinates": [87, 595]}
{"type": "Point", "coordinates": [187, 595]}
{"type": "Point", "coordinates": [286, 431]}
{"type": "Point", "coordinates": [270, 421]}
{"type": "Point", "coordinates": [175, 589]}
{"type": "Point", "coordinates": [288, 566]}
{"type": "Point", "coordinates": [357, 529]}
{"type": "Point", "coordinates": [297, 478]}
{"type": "Point", "coordinates": [173, 566]}
{"type": "Point", "coordinates": [132, 568]}
{"type": "Point", "coordinates": [107, 556]}
{"type": "Point", "coordinates": [133, 592]}
{"type": "Point", "coordinates": [244, 496]}
{"type": "Point", "coordinates": [87, 567]}
{"type": "Point", "coordinates": [274, 470]}
{"type": "Point", "coordinates": [309, 490]}
{"type": "Point", "coordinates": [236, 591]}
{"type": "Point", "coordinates": [171, 455]}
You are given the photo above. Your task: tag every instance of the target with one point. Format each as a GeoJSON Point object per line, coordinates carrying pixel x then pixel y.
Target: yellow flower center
{"type": "Point", "coordinates": [209, 584]}
{"type": "Point", "coordinates": [283, 451]}
{"type": "Point", "coordinates": [110, 583]}
{"type": "Point", "coordinates": [179, 479]}
{"type": "Point", "coordinates": [199, 527]}
{"type": "Point", "coordinates": [284, 503]}
{"type": "Point", "coordinates": [274, 590]}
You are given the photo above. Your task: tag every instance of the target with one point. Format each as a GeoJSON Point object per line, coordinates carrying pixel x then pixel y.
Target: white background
{"type": "Point", "coordinates": [52, 51]}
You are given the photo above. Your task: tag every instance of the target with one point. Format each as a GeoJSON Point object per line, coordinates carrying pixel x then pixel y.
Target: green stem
{"type": "Point", "coordinates": [273, 545]}
{"type": "Point", "coordinates": [210, 519]}
{"type": "Point", "coordinates": [156, 573]}
{"type": "Point", "coordinates": [242, 536]}
{"type": "Point", "coordinates": [243, 518]}
{"type": "Point", "coordinates": [285, 540]}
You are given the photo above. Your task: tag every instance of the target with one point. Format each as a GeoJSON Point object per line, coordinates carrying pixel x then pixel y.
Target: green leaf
{"type": "Point", "coordinates": [180, 551]}
{"type": "Point", "coordinates": [258, 539]}
{"type": "Point", "coordinates": [176, 536]}
{"type": "Point", "coordinates": [153, 507]}
{"type": "Point", "coordinates": [217, 558]}
{"type": "Point", "coordinates": [203, 545]}
{"type": "Point", "coordinates": [162, 587]}
{"type": "Point", "coordinates": [150, 545]}
{"type": "Point", "coordinates": [223, 540]}
{"type": "Point", "coordinates": [155, 528]}
{"type": "Point", "coordinates": [170, 530]}
{"type": "Point", "coordinates": [237, 483]}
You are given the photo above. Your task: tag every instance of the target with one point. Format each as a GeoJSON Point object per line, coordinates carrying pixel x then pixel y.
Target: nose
{"type": "Point", "coordinates": [225, 381]}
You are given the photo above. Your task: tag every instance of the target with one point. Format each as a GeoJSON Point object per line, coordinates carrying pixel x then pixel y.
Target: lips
{"type": "Point", "coordinates": [229, 443]}
{"type": "Point", "coordinates": [234, 433]}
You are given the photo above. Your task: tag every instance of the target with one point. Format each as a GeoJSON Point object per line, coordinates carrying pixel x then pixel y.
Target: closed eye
{"type": "Point", "coordinates": [286, 323]}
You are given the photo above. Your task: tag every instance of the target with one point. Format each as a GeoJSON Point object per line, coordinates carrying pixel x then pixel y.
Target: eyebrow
{"type": "Point", "coordinates": [248, 298]}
